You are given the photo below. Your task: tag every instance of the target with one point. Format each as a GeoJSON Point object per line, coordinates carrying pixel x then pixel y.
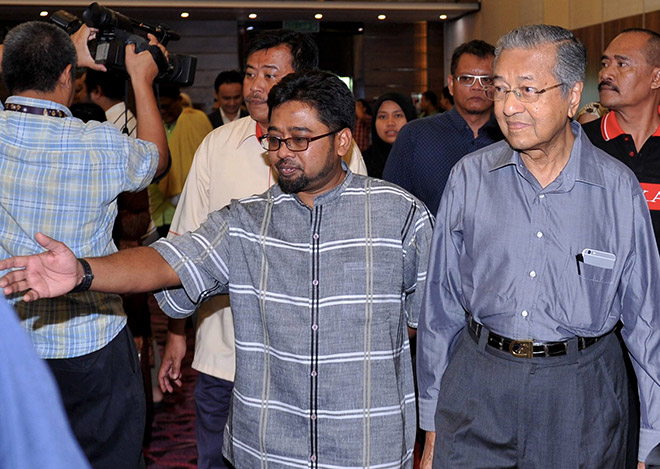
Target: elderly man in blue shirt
{"type": "Point", "coordinates": [543, 243]}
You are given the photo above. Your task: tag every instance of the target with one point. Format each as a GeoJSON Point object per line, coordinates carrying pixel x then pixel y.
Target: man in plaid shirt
{"type": "Point", "coordinates": [61, 176]}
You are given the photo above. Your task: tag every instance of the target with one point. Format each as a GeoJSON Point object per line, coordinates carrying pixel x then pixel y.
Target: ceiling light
{"type": "Point", "coordinates": [43, 13]}
{"type": "Point", "coordinates": [382, 17]}
{"type": "Point", "coordinates": [185, 14]}
{"type": "Point", "coordinates": [250, 28]}
{"type": "Point", "coordinates": [443, 17]}
{"type": "Point", "coordinates": [318, 16]}
{"type": "Point", "coordinates": [360, 29]}
{"type": "Point", "coordinates": [252, 16]}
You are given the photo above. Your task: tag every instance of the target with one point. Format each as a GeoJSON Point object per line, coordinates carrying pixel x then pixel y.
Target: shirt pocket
{"type": "Point", "coordinates": [593, 273]}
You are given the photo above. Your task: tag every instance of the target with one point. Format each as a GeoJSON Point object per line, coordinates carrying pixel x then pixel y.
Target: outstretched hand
{"type": "Point", "coordinates": [51, 273]}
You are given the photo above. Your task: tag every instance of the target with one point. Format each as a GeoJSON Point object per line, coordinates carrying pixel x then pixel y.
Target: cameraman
{"type": "Point", "coordinates": [62, 176]}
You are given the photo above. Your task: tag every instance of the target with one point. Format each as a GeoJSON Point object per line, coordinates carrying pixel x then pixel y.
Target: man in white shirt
{"type": "Point", "coordinates": [107, 90]}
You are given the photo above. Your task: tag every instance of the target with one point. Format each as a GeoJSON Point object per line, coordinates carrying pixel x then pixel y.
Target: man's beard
{"type": "Point", "coordinates": [293, 186]}
{"type": "Point", "coordinates": [300, 183]}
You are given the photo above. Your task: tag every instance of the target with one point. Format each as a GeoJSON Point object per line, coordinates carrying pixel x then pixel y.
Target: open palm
{"type": "Point", "coordinates": [51, 273]}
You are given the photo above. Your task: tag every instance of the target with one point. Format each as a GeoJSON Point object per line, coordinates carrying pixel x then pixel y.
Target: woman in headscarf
{"type": "Point", "coordinates": [391, 112]}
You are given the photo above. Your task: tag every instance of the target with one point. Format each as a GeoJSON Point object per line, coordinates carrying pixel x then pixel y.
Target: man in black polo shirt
{"type": "Point", "coordinates": [629, 85]}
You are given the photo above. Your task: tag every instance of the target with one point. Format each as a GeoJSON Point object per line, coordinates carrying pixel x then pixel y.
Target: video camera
{"type": "Point", "coordinates": [115, 31]}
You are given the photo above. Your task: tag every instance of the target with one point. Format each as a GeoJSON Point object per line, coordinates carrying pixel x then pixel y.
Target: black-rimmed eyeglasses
{"type": "Point", "coordinates": [273, 143]}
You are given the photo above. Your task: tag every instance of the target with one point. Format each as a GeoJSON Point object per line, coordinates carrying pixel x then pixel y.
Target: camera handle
{"type": "Point", "coordinates": [142, 44]}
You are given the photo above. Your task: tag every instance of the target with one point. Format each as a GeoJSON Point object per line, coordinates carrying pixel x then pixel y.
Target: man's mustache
{"type": "Point", "coordinates": [256, 97]}
{"type": "Point", "coordinates": [609, 84]}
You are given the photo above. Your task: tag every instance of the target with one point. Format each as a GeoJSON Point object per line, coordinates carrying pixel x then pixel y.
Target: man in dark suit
{"type": "Point", "coordinates": [228, 91]}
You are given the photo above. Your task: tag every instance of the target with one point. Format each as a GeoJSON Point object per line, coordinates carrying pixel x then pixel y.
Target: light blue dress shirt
{"type": "Point", "coordinates": [505, 250]}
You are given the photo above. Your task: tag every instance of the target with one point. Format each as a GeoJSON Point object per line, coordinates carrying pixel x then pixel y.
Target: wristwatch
{"type": "Point", "coordinates": [88, 276]}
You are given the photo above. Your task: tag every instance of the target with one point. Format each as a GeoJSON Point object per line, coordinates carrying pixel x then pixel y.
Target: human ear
{"type": "Point", "coordinates": [574, 97]}
{"type": "Point", "coordinates": [344, 139]}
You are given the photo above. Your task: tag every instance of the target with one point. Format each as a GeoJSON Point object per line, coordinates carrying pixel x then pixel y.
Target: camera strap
{"type": "Point", "coordinates": [39, 111]}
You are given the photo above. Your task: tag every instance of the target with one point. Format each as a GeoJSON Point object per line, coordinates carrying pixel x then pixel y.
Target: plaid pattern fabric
{"type": "Point", "coordinates": [61, 176]}
{"type": "Point", "coordinates": [322, 298]}
{"type": "Point", "coordinates": [362, 134]}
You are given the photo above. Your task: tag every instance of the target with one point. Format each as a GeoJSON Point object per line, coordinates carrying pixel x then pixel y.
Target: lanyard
{"type": "Point", "coordinates": [39, 111]}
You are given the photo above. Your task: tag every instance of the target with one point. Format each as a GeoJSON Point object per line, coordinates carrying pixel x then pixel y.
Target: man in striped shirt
{"type": "Point", "coordinates": [324, 271]}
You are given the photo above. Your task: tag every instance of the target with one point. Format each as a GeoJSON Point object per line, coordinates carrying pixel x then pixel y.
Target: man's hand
{"type": "Point", "coordinates": [46, 275]}
{"type": "Point", "coordinates": [170, 367]}
{"type": "Point", "coordinates": [142, 67]}
{"type": "Point", "coordinates": [80, 39]}
{"type": "Point", "coordinates": [641, 465]}
{"type": "Point", "coordinates": [427, 456]}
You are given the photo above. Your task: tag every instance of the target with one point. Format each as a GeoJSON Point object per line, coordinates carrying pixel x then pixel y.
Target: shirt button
{"type": "Point", "coordinates": [313, 458]}
{"type": "Point", "coordinates": [539, 234]}
{"type": "Point", "coordinates": [315, 327]}
{"type": "Point", "coordinates": [316, 236]}
{"type": "Point", "coordinates": [632, 153]}
{"type": "Point", "coordinates": [314, 373]}
{"type": "Point", "coordinates": [542, 196]}
{"type": "Point", "coordinates": [524, 313]}
{"type": "Point", "coordinates": [532, 274]}
{"type": "Point", "coordinates": [313, 416]}
{"type": "Point", "coordinates": [315, 282]}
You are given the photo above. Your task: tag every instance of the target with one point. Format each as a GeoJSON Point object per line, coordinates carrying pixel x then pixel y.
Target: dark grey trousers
{"type": "Point", "coordinates": [499, 411]}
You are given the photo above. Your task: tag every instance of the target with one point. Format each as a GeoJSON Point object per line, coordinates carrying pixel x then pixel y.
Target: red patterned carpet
{"type": "Point", "coordinates": [172, 442]}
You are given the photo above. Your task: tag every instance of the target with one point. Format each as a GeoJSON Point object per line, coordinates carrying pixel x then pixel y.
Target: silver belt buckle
{"type": "Point", "coordinates": [521, 348]}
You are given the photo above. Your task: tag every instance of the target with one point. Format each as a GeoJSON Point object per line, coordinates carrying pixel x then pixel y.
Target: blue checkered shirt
{"type": "Point", "coordinates": [61, 176]}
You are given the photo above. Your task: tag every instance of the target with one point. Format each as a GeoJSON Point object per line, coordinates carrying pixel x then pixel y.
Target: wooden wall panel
{"type": "Point", "coordinates": [591, 37]}
{"type": "Point", "coordinates": [436, 57]}
{"type": "Point", "coordinates": [397, 57]}
{"type": "Point", "coordinates": [652, 21]}
{"type": "Point", "coordinates": [614, 27]}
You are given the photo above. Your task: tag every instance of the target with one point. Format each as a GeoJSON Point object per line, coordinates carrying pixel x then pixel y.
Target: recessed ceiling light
{"type": "Point", "coordinates": [360, 30]}
{"type": "Point", "coordinates": [382, 17]}
{"type": "Point", "coordinates": [250, 28]}
{"type": "Point", "coordinates": [185, 14]}
{"type": "Point", "coordinates": [43, 13]}
{"type": "Point", "coordinates": [318, 16]}
{"type": "Point", "coordinates": [252, 16]}
{"type": "Point", "coordinates": [443, 17]}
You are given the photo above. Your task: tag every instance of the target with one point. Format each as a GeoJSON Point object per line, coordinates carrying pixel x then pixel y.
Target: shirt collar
{"type": "Point", "coordinates": [581, 166]}
{"type": "Point", "coordinates": [610, 128]}
{"type": "Point", "coordinates": [226, 119]}
{"type": "Point", "coordinates": [334, 193]}
{"type": "Point", "coordinates": [251, 131]}
{"type": "Point", "coordinates": [42, 103]}
{"type": "Point", "coordinates": [459, 123]}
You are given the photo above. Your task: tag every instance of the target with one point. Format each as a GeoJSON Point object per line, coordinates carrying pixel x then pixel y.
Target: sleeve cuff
{"type": "Point", "coordinates": [648, 440]}
{"type": "Point", "coordinates": [427, 414]}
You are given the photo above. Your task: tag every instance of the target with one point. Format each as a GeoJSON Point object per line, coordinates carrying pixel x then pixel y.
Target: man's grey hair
{"type": "Point", "coordinates": [571, 61]}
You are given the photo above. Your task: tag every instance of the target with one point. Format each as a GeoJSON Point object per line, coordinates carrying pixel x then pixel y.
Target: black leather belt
{"type": "Point", "coordinates": [526, 348]}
